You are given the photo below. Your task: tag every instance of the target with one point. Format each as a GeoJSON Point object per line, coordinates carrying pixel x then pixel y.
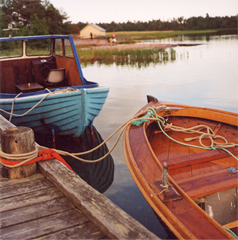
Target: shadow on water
{"type": "Point", "coordinates": [99, 175]}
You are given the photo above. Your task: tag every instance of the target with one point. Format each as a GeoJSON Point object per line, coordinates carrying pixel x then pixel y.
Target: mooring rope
{"type": "Point", "coordinates": [20, 157]}
{"type": "Point", "coordinates": [75, 155]}
{"type": "Point", "coordinates": [41, 100]}
{"type": "Point", "coordinates": [151, 115]}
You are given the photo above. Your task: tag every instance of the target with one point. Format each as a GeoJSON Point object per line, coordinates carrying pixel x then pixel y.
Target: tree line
{"type": "Point", "coordinates": [193, 23]}
{"type": "Point", "coordinates": [38, 17]}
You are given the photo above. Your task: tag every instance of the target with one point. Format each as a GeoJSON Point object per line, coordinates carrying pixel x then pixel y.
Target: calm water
{"type": "Point", "coordinates": [204, 75]}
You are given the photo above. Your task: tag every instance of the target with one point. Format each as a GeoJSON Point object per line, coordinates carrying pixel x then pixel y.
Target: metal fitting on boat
{"type": "Point", "coordinates": [165, 185]}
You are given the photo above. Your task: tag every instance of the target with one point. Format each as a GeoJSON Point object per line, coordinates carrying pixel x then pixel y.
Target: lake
{"type": "Point", "coordinates": [205, 75]}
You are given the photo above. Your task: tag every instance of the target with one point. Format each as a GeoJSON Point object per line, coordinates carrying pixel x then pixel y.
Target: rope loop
{"type": "Point", "coordinates": [20, 157]}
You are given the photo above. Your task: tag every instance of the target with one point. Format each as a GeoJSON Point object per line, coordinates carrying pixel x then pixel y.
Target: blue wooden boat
{"type": "Point", "coordinates": [43, 87]}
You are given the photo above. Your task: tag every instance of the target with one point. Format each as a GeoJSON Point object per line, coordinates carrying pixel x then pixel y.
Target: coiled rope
{"type": "Point", "coordinates": [163, 125]}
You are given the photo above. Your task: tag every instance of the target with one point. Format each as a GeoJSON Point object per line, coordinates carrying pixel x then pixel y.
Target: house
{"type": "Point", "coordinates": [93, 29]}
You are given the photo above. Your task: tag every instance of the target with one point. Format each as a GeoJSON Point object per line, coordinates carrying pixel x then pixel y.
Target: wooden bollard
{"type": "Point", "coordinates": [18, 140]}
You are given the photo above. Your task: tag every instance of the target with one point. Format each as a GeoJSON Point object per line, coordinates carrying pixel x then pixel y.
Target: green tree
{"type": "Point", "coordinates": [39, 26]}
{"type": "Point", "coordinates": [23, 12]}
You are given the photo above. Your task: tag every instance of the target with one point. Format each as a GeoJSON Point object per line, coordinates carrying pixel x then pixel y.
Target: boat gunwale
{"type": "Point", "coordinates": [147, 192]}
{"type": "Point", "coordinates": [4, 97]}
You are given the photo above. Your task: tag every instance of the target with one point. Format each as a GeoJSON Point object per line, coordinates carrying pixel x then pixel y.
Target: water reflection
{"type": "Point", "coordinates": [99, 175]}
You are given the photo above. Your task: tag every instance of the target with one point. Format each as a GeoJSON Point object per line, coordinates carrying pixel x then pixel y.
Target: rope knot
{"type": "Point", "coordinates": [168, 126]}
{"type": "Point", "coordinates": [47, 154]}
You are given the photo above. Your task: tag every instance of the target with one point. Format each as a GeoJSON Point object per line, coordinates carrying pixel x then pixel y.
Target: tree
{"type": "Point", "coordinates": [75, 29]}
{"type": "Point", "coordinates": [23, 12]}
{"type": "Point", "coordinates": [39, 26]}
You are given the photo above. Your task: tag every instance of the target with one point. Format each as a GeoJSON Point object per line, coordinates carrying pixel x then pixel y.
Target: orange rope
{"type": "Point", "coordinates": [47, 154]}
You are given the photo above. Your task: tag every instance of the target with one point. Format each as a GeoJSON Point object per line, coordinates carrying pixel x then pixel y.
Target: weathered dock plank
{"type": "Point", "coordinates": [28, 213]}
{"type": "Point", "coordinates": [29, 199]}
{"type": "Point", "coordinates": [86, 231]}
{"type": "Point", "coordinates": [4, 182]}
{"type": "Point", "coordinates": [26, 187]}
{"type": "Point", "coordinates": [45, 225]}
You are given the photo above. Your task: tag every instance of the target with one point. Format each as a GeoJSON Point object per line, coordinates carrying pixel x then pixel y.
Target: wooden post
{"type": "Point", "coordinates": [19, 140]}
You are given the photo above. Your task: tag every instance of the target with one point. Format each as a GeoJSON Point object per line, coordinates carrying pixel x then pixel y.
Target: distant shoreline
{"type": "Point", "coordinates": [127, 40]}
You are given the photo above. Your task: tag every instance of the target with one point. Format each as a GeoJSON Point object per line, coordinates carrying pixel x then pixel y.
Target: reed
{"type": "Point", "coordinates": [126, 56]}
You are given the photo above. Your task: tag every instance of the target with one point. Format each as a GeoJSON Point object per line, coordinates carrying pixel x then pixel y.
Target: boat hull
{"type": "Point", "coordinates": [193, 174]}
{"type": "Point", "coordinates": [66, 112]}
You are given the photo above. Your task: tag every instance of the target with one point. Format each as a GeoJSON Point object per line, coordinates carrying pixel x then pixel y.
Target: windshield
{"type": "Point", "coordinates": [38, 47]}
{"type": "Point", "coordinates": [10, 49]}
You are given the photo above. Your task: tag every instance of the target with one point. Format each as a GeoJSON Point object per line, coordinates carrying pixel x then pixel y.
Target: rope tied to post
{"type": "Point", "coordinates": [29, 158]}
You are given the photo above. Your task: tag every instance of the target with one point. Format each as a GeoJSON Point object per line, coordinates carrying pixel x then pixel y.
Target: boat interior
{"type": "Point", "coordinates": [209, 177]}
{"type": "Point", "coordinates": [32, 74]}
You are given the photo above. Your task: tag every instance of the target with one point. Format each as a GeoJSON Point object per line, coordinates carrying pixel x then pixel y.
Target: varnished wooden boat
{"type": "Point", "coordinates": [200, 199]}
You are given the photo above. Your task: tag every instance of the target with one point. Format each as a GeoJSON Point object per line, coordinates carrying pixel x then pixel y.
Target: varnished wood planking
{"type": "Point", "coordinates": [202, 157]}
{"type": "Point", "coordinates": [205, 185]}
{"type": "Point", "coordinates": [141, 153]}
{"type": "Point", "coordinates": [181, 173]}
{"type": "Point", "coordinates": [201, 168]}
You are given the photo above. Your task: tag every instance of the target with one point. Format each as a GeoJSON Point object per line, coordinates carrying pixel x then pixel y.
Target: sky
{"type": "Point", "coordinates": [106, 11]}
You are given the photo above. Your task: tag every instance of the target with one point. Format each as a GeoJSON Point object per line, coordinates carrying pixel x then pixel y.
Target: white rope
{"type": "Point", "coordinates": [208, 134]}
{"type": "Point", "coordinates": [20, 156]}
{"type": "Point", "coordinates": [50, 93]}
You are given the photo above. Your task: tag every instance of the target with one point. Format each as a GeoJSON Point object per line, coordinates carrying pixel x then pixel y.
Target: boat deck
{"type": "Point", "coordinates": [55, 203]}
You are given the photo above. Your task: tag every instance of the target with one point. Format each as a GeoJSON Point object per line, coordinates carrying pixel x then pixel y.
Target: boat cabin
{"type": "Point", "coordinates": [34, 63]}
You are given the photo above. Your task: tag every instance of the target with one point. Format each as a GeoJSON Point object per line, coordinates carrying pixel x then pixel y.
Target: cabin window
{"type": "Point", "coordinates": [68, 49]}
{"type": "Point", "coordinates": [10, 49]}
{"type": "Point", "coordinates": [38, 47]}
{"type": "Point", "coordinates": [58, 47]}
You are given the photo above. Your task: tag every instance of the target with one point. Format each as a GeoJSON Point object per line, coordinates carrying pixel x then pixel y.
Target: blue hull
{"type": "Point", "coordinates": [68, 113]}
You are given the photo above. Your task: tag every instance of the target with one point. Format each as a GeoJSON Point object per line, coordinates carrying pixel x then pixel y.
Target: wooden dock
{"type": "Point", "coordinates": [55, 203]}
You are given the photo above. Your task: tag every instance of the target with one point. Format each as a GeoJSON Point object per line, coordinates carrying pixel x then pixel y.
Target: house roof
{"type": "Point", "coordinates": [96, 26]}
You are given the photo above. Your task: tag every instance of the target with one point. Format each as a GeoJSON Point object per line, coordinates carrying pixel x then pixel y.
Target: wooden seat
{"type": "Point", "coordinates": [206, 184]}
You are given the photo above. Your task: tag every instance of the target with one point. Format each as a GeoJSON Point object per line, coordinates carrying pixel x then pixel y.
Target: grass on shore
{"type": "Point", "coordinates": [128, 56]}
{"type": "Point", "coordinates": [140, 35]}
